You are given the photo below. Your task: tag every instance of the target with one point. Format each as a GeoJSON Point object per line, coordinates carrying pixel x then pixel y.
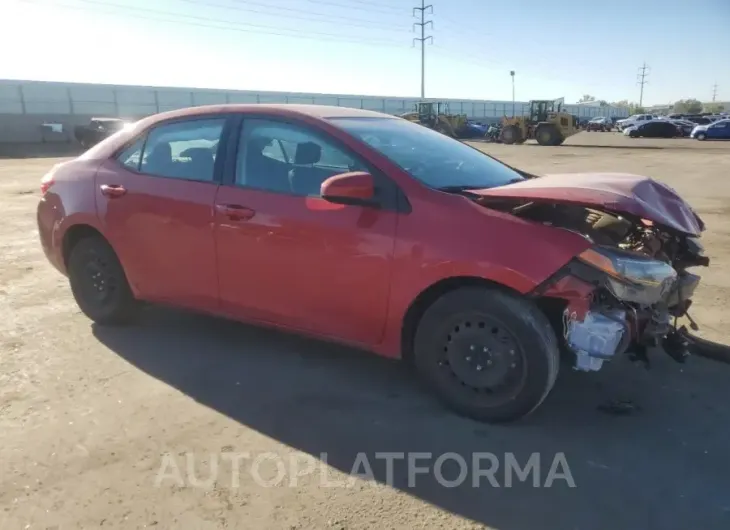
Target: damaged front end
{"type": "Point", "coordinates": [626, 292]}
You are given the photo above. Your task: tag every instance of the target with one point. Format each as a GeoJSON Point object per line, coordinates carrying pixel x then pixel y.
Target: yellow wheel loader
{"type": "Point", "coordinates": [547, 124]}
{"type": "Point", "coordinates": [436, 116]}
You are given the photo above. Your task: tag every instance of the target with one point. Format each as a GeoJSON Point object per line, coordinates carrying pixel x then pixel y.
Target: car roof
{"type": "Point", "coordinates": [313, 112]}
{"type": "Point", "coordinates": [281, 109]}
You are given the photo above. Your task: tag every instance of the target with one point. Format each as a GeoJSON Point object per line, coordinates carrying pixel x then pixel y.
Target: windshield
{"type": "Point", "coordinates": [436, 160]}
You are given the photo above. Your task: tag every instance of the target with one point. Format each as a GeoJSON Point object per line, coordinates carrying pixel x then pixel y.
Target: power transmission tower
{"type": "Point", "coordinates": [714, 92]}
{"type": "Point", "coordinates": [643, 72]}
{"type": "Point", "coordinates": [422, 24]}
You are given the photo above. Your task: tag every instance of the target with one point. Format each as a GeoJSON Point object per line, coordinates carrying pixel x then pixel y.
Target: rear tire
{"type": "Point", "coordinates": [98, 283]}
{"type": "Point", "coordinates": [489, 355]}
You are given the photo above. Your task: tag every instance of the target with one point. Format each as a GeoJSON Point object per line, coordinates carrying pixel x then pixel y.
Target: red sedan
{"type": "Point", "coordinates": [366, 229]}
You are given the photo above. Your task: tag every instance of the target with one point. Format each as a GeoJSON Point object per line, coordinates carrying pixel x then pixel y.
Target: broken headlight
{"type": "Point", "coordinates": [632, 277]}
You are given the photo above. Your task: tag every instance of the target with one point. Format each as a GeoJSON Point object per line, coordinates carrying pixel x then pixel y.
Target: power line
{"type": "Point", "coordinates": [470, 58]}
{"type": "Point", "coordinates": [423, 23]}
{"type": "Point", "coordinates": [378, 8]}
{"type": "Point", "coordinates": [378, 5]}
{"type": "Point", "coordinates": [643, 72]}
{"type": "Point", "coordinates": [305, 11]}
{"type": "Point", "coordinates": [206, 23]}
{"type": "Point", "coordinates": [360, 22]}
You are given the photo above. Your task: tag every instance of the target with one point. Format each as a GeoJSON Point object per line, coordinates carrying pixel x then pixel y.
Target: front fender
{"type": "Point", "coordinates": [476, 243]}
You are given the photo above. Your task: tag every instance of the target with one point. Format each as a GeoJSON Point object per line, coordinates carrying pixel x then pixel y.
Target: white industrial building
{"type": "Point", "coordinates": [25, 105]}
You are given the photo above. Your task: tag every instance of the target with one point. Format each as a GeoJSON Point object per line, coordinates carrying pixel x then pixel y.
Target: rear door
{"type": "Point", "coordinates": [156, 200]}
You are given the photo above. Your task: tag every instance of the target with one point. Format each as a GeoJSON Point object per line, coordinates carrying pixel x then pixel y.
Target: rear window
{"type": "Point", "coordinates": [183, 150]}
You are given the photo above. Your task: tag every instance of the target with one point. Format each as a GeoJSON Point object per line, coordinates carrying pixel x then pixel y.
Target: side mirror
{"type": "Point", "coordinates": [355, 188]}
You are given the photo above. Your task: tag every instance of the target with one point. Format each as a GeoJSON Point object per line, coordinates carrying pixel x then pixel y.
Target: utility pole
{"type": "Point", "coordinates": [714, 92]}
{"type": "Point", "coordinates": [643, 72]}
{"type": "Point", "coordinates": [422, 24]}
{"type": "Point", "coordinates": [512, 74]}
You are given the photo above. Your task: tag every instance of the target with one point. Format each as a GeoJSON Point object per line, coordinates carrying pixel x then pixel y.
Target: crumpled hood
{"type": "Point", "coordinates": [615, 192]}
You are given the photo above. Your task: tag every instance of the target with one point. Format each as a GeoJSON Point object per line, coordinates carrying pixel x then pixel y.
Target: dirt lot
{"type": "Point", "coordinates": [87, 414]}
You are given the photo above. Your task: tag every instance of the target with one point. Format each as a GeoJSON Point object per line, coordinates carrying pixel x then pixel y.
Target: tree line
{"type": "Point", "coordinates": [683, 106]}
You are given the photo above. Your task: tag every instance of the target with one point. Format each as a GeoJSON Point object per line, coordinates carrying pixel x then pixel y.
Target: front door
{"type": "Point", "coordinates": [156, 200]}
{"type": "Point", "coordinates": [287, 256]}
{"type": "Point", "coordinates": [719, 130]}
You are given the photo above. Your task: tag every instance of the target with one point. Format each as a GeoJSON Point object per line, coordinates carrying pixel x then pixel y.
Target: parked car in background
{"type": "Point", "coordinates": [653, 129]}
{"type": "Point", "coordinates": [97, 129]}
{"type": "Point", "coordinates": [342, 224]}
{"type": "Point", "coordinates": [636, 119]}
{"type": "Point", "coordinates": [600, 123]}
{"type": "Point", "coordinates": [698, 120]}
{"type": "Point", "coordinates": [685, 126]}
{"type": "Point", "coordinates": [719, 130]}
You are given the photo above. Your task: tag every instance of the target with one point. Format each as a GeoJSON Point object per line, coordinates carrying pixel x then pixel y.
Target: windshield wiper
{"type": "Point", "coordinates": [462, 190]}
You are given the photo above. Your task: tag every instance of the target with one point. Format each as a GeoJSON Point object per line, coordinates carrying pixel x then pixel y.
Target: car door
{"type": "Point", "coordinates": [156, 202]}
{"type": "Point", "coordinates": [670, 130]}
{"type": "Point", "coordinates": [719, 130]}
{"type": "Point", "coordinates": [287, 256]}
{"type": "Point", "coordinates": [650, 130]}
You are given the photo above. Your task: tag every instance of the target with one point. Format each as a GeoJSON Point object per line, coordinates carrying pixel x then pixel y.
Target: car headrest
{"type": "Point", "coordinates": [307, 153]}
{"type": "Point", "coordinates": [162, 152]}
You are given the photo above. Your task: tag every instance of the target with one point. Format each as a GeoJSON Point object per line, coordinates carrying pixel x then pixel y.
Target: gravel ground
{"type": "Point", "coordinates": [95, 422]}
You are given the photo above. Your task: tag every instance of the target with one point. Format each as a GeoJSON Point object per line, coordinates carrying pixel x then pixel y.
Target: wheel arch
{"type": "Point", "coordinates": [76, 233]}
{"type": "Point", "coordinates": [428, 296]}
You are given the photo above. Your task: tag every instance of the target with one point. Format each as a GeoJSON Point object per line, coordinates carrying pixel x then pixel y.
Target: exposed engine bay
{"type": "Point", "coordinates": [623, 295]}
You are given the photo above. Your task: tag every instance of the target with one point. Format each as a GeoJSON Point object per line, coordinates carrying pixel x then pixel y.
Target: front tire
{"type": "Point", "coordinates": [548, 135]}
{"type": "Point", "coordinates": [511, 135]}
{"type": "Point", "coordinates": [701, 136]}
{"type": "Point", "coordinates": [489, 355]}
{"type": "Point", "coordinates": [98, 283]}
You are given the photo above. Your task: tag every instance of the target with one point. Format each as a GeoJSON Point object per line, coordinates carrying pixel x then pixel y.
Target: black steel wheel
{"type": "Point", "coordinates": [489, 355]}
{"type": "Point", "coordinates": [98, 282]}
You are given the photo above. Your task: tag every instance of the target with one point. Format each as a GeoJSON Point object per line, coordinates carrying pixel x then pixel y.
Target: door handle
{"type": "Point", "coordinates": [112, 190]}
{"type": "Point", "coordinates": [235, 212]}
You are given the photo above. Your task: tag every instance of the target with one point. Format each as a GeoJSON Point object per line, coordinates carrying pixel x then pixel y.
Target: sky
{"type": "Point", "coordinates": [561, 48]}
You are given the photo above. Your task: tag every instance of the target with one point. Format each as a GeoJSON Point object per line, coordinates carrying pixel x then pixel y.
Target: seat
{"type": "Point", "coordinates": [159, 161]}
{"type": "Point", "coordinates": [304, 178]}
{"type": "Point", "coordinates": [201, 163]}
{"type": "Point", "coordinates": [261, 171]}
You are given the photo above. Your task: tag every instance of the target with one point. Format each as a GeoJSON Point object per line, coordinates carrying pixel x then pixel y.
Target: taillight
{"type": "Point", "coordinates": [46, 183]}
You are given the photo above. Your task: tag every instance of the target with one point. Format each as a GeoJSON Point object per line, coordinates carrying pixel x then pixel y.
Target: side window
{"type": "Point", "coordinates": [183, 150]}
{"type": "Point", "coordinates": [132, 155]}
{"type": "Point", "coordinates": [286, 158]}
